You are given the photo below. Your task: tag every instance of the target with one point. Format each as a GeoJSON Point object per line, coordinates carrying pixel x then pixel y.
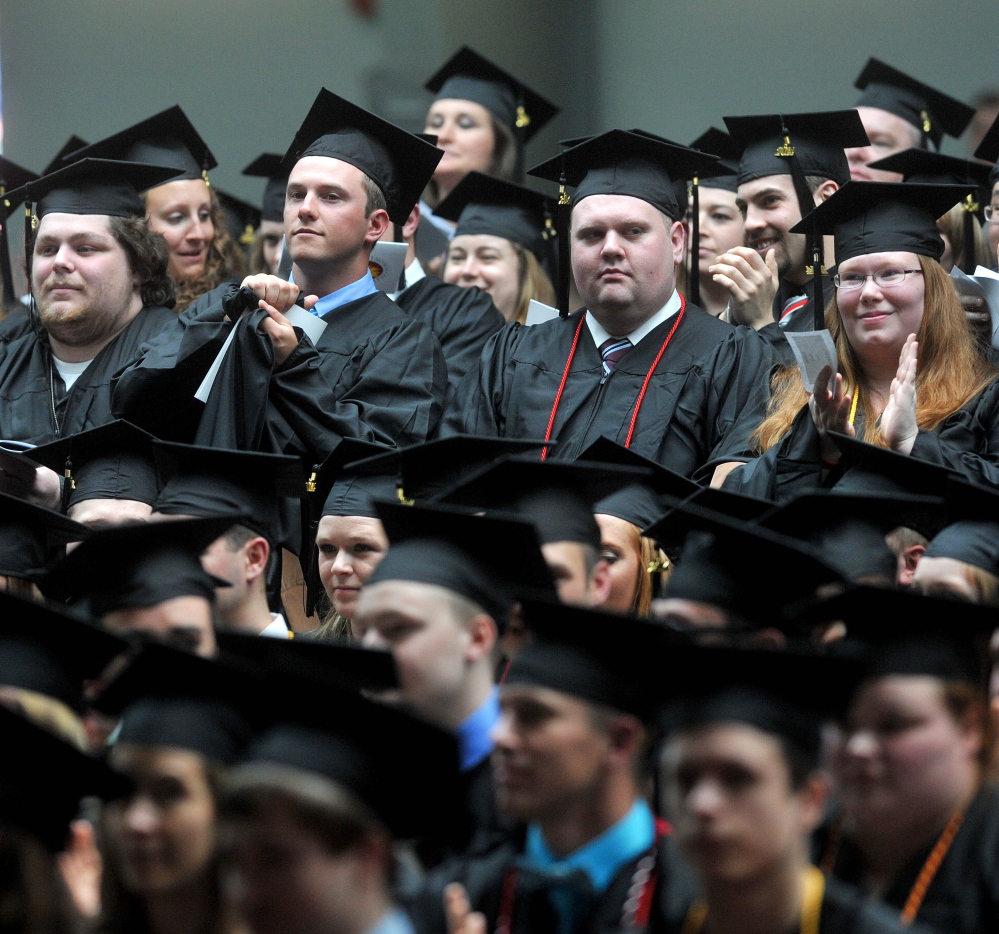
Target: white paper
{"type": "Point", "coordinates": [206, 384]}
{"type": "Point", "coordinates": [386, 264]}
{"type": "Point", "coordinates": [813, 350]}
{"type": "Point", "coordinates": [539, 312]}
{"type": "Point", "coordinates": [983, 284]}
{"type": "Point", "coordinates": [307, 321]}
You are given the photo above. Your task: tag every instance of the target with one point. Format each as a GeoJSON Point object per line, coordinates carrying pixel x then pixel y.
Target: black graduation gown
{"type": "Point", "coordinates": [462, 319]}
{"type": "Point", "coordinates": [963, 897]}
{"type": "Point", "coordinates": [374, 374]}
{"type": "Point", "coordinates": [707, 395]}
{"type": "Point", "coordinates": [30, 386]}
{"type": "Point", "coordinates": [966, 441]}
{"type": "Point", "coordinates": [15, 323]}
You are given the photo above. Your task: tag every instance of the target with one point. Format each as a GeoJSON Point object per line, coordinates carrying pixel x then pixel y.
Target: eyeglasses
{"type": "Point", "coordinates": [990, 213]}
{"type": "Point", "coordinates": [886, 278]}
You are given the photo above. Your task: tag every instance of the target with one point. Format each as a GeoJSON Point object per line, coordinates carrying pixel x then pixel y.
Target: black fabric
{"type": "Point", "coordinates": [62, 157]}
{"type": "Point", "coordinates": [707, 395]}
{"type": "Point", "coordinates": [934, 168]}
{"type": "Point", "coordinates": [268, 165]}
{"type": "Point", "coordinates": [33, 537]}
{"type": "Point", "coordinates": [975, 543]}
{"type": "Point", "coordinates": [354, 495]}
{"type": "Point", "coordinates": [213, 729]}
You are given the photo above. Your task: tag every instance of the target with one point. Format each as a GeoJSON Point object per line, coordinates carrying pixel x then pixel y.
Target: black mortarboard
{"type": "Point", "coordinates": [138, 565]}
{"type": "Point", "coordinates": [13, 176]}
{"type": "Point", "coordinates": [973, 533]}
{"type": "Point", "coordinates": [167, 139]}
{"type": "Point", "coordinates": [62, 157]}
{"type": "Point", "coordinates": [871, 468]}
{"type": "Point", "coordinates": [638, 503]}
{"type": "Point", "coordinates": [343, 664]}
{"type": "Point", "coordinates": [484, 204]}
{"type": "Point", "coordinates": [94, 186]}
{"type": "Point", "coordinates": [204, 482]}
{"type": "Point", "coordinates": [242, 218]}
{"type": "Point", "coordinates": [169, 697]}
{"type": "Point", "coordinates": [487, 559]}
{"type": "Point", "coordinates": [556, 497]}
{"type": "Point", "coordinates": [33, 537]}
{"type": "Point", "coordinates": [398, 162]}
{"type": "Point", "coordinates": [930, 111]}
{"type": "Point", "coordinates": [910, 634]}
{"type": "Point", "coordinates": [43, 778]}
{"type": "Point", "coordinates": [469, 76]}
{"type": "Point", "coordinates": [934, 168]}
{"type": "Point", "coordinates": [421, 470]}
{"type": "Point", "coordinates": [50, 652]}
{"type": "Point", "coordinates": [718, 143]}
{"type": "Point", "coordinates": [270, 166]}
{"type": "Point", "coordinates": [607, 659]}
{"type": "Point", "coordinates": [988, 149]}
{"type": "Point", "coordinates": [884, 217]}
{"type": "Point", "coordinates": [849, 529]}
{"type": "Point", "coordinates": [112, 461]}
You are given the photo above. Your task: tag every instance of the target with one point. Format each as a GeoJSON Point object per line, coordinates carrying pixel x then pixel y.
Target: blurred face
{"type": "Point", "coordinates": [489, 263]}
{"type": "Point", "coordinates": [620, 549]}
{"type": "Point", "coordinates": [101, 513]}
{"type": "Point", "coordinates": [270, 233]}
{"type": "Point", "coordinates": [230, 565]}
{"type": "Point", "coordinates": [161, 839]}
{"type": "Point", "coordinates": [720, 225]}
{"type": "Point", "coordinates": [549, 754]}
{"type": "Point", "coordinates": [182, 213]}
{"type": "Point", "coordinates": [350, 548]}
{"type": "Point", "coordinates": [904, 759]}
{"type": "Point", "coordinates": [992, 226]}
{"type": "Point", "coordinates": [81, 279]}
{"type": "Point", "coordinates": [945, 577]}
{"type": "Point", "coordinates": [623, 256]}
{"type": "Point", "coordinates": [888, 134]}
{"type": "Point", "coordinates": [464, 130]}
{"type": "Point", "coordinates": [184, 622]}
{"type": "Point", "coordinates": [771, 210]}
{"type": "Point", "coordinates": [877, 319]}
{"type": "Point", "coordinates": [567, 562]}
{"type": "Point", "coordinates": [731, 803]}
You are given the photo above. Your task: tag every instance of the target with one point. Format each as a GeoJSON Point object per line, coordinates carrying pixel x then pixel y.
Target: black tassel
{"type": "Point", "coordinates": [968, 263]}
{"type": "Point", "coordinates": [563, 212]}
{"type": "Point", "coordinates": [6, 273]}
{"type": "Point", "coordinates": [694, 277]}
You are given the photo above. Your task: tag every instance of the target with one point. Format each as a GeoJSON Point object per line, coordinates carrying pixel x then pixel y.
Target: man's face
{"type": "Point", "coordinates": [567, 562]}
{"type": "Point", "coordinates": [81, 279]}
{"type": "Point", "coordinates": [888, 134]}
{"type": "Point", "coordinates": [730, 800]}
{"type": "Point", "coordinates": [623, 254]}
{"type": "Point", "coordinates": [185, 622]}
{"type": "Point", "coordinates": [324, 213]}
{"type": "Point", "coordinates": [228, 564]}
{"type": "Point", "coordinates": [771, 210]}
{"type": "Point", "coordinates": [549, 756]}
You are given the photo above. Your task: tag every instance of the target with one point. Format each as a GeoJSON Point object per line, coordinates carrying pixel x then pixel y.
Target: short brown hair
{"type": "Point", "coordinates": [375, 196]}
{"type": "Point", "coordinates": [148, 257]}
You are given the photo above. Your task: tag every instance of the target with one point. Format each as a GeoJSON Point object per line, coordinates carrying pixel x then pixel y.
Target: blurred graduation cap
{"type": "Point", "coordinates": [43, 779]}
{"type": "Point", "coordinates": [112, 461]}
{"type": "Point", "coordinates": [398, 162]}
{"type": "Point", "coordinates": [62, 157]}
{"type": "Point", "coordinates": [870, 468]}
{"type": "Point", "coordinates": [489, 560]}
{"type": "Point", "coordinates": [52, 653]}
{"type": "Point", "coordinates": [972, 536]}
{"type": "Point", "coordinates": [138, 565]}
{"type": "Point", "coordinates": [930, 111]}
{"type": "Point", "coordinates": [169, 697]}
{"type": "Point", "coordinates": [242, 218]}
{"type": "Point", "coordinates": [483, 204]}
{"type": "Point", "coordinates": [604, 658]}
{"type": "Point", "coordinates": [718, 143]}
{"type": "Point", "coordinates": [205, 482]}
{"type": "Point", "coordinates": [32, 537]}
{"type": "Point", "coordinates": [556, 497]}
{"type": "Point", "coordinates": [165, 139]}
{"type": "Point", "coordinates": [988, 149]}
{"type": "Point", "coordinates": [12, 177]}
{"type": "Point", "coordinates": [269, 165]}
{"type": "Point", "coordinates": [884, 217]}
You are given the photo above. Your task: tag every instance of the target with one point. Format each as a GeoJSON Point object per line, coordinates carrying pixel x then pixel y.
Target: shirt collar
{"type": "Point", "coordinates": [277, 627]}
{"type": "Point", "coordinates": [414, 273]}
{"type": "Point", "coordinates": [600, 333]}
{"type": "Point", "coordinates": [474, 739]}
{"type": "Point", "coordinates": [349, 293]}
{"type": "Point", "coordinates": [603, 856]}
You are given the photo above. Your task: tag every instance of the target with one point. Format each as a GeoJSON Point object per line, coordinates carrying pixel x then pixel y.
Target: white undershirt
{"type": "Point", "coordinates": [599, 333]}
{"type": "Point", "coordinates": [414, 273]}
{"type": "Point", "coordinates": [69, 372]}
{"type": "Point", "coordinates": [277, 628]}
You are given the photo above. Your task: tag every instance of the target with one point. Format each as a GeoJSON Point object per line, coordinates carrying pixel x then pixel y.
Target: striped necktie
{"type": "Point", "coordinates": [612, 350]}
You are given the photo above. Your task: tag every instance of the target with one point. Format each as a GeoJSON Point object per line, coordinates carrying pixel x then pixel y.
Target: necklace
{"type": "Point", "coordinates": [641, 394]}
{"type": "Point", "coordinates": [811, 906]}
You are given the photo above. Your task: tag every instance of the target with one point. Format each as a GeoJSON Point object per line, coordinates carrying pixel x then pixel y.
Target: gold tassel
{"type": "Point", "coordinates": [549, 232]}
{"type": "Point", "coordinates": [310, 484]}
{"type": "Point", "coordinates": [970, 205]}
{"type": "Point", "coordinates": [925, 117]}
{"type": "Point", "coordinates": [522, 118]}
{"type": "Point", "coordinates": [204, 175]}
{"type": "Point", "coordinates": [787, 149]}
{"type": "Point", "coordinates": [402, 497]}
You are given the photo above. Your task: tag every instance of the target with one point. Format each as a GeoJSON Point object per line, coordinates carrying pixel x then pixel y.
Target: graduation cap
{"type": "Point", "coordinates": [169, 697]}
{"type": "Point", "coordinates": [270, 165]}
{"type": "Point", "coordinates": [112, 461]}
{"type": "Point", "coordinates": [604, 658]}
{"type": "Point", "coordinates": [52, 653]}
{"type": "Point", "coordinates": [483, 204]}
{"type": "Point", "coordinates": [639, 503]}
{"type": "Point", "coordinates": [138, 565]}
{"type": "Point", "coordinates": [973, 534]}
{"type": "Point", "coordinates": [242, 218]}
{"type": "Point", "coordinates": [874, 469]}
{"type": "Point", "coordinates": [12, 177]}
{"type": "Point", "coordinates": [166, 139]}
{"type": "Point", "coordinates": [33, 537]}
{"type": "Point", "coordinates": [398, 162]}
{"type": "Point", "coordinates": [930, 111]}
{"type": "Point", "coordinates": [718, 143]}
{"type": "Point", "coordinates": [204, 482]}
{"type": "Point", "coordinates": [556, 497]}
{"type": "Point", "coordinates": [487, 559]}
{"type": "Point", "coordinates": [884, 217]}
{"type": "Point", "coordinates": [43, 779]}
{"type": "Point", "coordinates": [62, 157]}
{"type": "Point", "coordinates": [988, 149]}
{"type": "Point", "coordinates": [469, 76]}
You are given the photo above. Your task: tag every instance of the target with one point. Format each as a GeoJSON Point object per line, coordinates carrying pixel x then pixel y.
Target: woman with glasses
{"type": "Point", "coordinates": [908, 377]}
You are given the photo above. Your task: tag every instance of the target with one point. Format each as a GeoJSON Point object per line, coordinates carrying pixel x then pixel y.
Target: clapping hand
{"type": "Point", "coordinates": [830, 408]}
{"type": "Point", "coordinates": [898, 420]}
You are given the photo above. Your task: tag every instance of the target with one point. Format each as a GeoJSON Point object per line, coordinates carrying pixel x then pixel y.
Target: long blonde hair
{"type": "Point", "coordinates": [951, 369]}
{"type": "Point", "coordinates": [534, 283]}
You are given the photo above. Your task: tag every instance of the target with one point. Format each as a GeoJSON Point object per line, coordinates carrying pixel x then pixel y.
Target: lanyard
{"type": "Point", "coordinates": [811, 906]}
{"type": "Point", "coordinates": [645, 384]}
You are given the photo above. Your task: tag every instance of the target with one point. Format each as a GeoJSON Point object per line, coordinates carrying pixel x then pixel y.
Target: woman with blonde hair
{"type": "Point", "coordinates": [892, 301]}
